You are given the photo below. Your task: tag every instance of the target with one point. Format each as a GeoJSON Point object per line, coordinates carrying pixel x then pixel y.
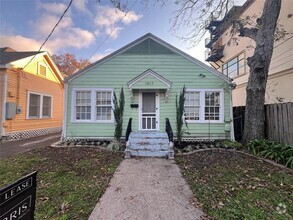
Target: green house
{"type": "Point", "coordinates": [152, 73]}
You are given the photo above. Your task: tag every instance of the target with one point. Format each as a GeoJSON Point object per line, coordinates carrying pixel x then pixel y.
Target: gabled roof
{"type": "Point", "coordinates": [8, 55]}
{"type": "Point", "coordinates": [136, 42]}
{"type": "Point", "coordinates": [165, 83]}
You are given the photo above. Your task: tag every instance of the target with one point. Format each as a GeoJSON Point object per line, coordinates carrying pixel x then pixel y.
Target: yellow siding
{"type": "Point", "coordinates": [32, 68]}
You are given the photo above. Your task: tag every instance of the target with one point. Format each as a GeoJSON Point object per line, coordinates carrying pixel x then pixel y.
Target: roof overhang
{"type": "Point", "coordinates": [149, 79]}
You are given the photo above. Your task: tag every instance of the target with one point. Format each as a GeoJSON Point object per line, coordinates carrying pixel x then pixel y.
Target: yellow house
{"type": "Point", "coordinates": [31, 96]}
{"type": "Point", "coordinates": [231, 60]}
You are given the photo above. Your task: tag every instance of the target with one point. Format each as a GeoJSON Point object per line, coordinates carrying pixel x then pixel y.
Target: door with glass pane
{"type": "Point", "coordinates": [149, 111]}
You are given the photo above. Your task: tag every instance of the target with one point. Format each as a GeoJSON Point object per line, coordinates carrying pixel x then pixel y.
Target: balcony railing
{"type": "Point", "coordinates": [214, 55]}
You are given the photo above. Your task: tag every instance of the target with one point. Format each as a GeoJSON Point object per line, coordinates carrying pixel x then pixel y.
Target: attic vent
{"type": "Point", "coordinates": [148, 46]}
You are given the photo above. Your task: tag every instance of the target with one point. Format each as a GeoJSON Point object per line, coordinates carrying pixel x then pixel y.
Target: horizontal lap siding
{"type": "Point", "coordinates": [116, 72]}
{"type": "Point", "coordinates": [33, 83]}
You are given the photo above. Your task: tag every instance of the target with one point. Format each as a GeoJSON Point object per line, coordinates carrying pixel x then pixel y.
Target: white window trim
{"type": "Point", "coordinates": [93, 105]}
{"type": "Point", "coordinates": [39, 73]}
{"type": "Point", "coordinates": [41, 105]}
{"type": "Point", "coordinates": [202, 106]}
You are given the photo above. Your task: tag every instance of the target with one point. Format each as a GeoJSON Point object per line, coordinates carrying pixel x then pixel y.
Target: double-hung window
{"type": "Point", "coordinates": [192, 105]}
{"type": "Point", "coordinates": [83, 105]}
{"type": "Point", "coordinates": [93, 105]}
{"type": "Point", "coordinates": [104, 107]}
{"type": "Point", "coordinates": [212, 106]}
{"type": "Point", "coordinates": [39, 106]}
{"type": "Point", "coordinates": [203, 105]}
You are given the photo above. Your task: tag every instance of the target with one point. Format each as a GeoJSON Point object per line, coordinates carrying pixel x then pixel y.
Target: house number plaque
{"type": "Point", "coordinates": [149, 83]}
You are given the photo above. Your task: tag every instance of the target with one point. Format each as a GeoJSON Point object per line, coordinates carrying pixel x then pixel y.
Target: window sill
{"type": "Point", "coordinates": [91, 122]}
{"type": "Point", "coordinates": [205, 122]}
{"type": "Point", "coordinates": [39, 118]}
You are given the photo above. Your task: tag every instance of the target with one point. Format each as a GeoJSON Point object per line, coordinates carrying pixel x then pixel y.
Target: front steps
{"type": "Point", "coordinates": [149, 144]}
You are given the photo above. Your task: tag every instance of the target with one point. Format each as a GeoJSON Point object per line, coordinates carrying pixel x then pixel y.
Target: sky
{"type": "Point", "coordinates": [90, 29]}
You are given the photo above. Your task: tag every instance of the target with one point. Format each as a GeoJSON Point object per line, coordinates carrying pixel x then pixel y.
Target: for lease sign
{"type": "Point", "coordinates": [17, 201]}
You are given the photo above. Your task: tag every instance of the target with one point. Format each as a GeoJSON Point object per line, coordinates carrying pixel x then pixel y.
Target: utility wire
{"type": "Point", "coordinates": [50, 33]}
{"type": "Point", "coordinates": [113, 29]}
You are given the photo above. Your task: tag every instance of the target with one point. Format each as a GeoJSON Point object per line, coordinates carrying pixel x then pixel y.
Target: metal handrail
{"type": "Point", "coordinates": [129, 129]}
{"type": "Point", "coordinates": [169, 130]}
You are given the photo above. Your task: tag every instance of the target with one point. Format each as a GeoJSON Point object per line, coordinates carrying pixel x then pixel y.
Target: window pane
{"type": "Point", "coordinates": [83, 105]}
{"type": "Point", "coordinates": [47, 102]}
{"type": "Point", "coordinates": [103, 103]}
{"type": "Point", "coordinates": [191, 105]}
{"type": "Point", "coordinates": [212, 106]}
{"type": "Point", "coordinates": [234, 67]}
{"type": "Point", "coordinates": [34, 106]}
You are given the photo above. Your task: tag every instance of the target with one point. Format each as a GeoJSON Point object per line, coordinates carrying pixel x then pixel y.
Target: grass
{"type": "Point", "coordinates": [230, 185]}
{"type": "Point", "coordinates": [69, 182]}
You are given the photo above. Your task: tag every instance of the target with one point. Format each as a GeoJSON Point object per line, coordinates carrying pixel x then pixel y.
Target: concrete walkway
{"type": "Point", "coordinates": [148, 188]}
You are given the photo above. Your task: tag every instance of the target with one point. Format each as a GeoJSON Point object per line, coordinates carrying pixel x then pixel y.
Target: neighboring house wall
{"type": "Point", "coordinates": [49, 91]}
{"type": "Point", "coordinates": [119, 70]}
{"type": "Point", "coordinates": [2, 75]}
{"type": "Point", "coordinates": [280, 78]}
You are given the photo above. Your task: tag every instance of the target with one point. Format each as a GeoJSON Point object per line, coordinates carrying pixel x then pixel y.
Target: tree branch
{"type": "Point", "coordinates": [247, 32]}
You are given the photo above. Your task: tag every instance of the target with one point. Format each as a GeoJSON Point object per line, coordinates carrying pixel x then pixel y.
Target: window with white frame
{"type": "Point", "coordinates": [39, 106]}
{"type": "Point", "coordinates": [192, 105]}
{"type": "Point", "coordinates": [93, 105]}
{"type": "Point", "coordinates": [42, 70]}
{"type": "Point", "coordinates": [212, 106]}
{"type": "Point", "coordinates": [103, 105]}
{"type": "Point", "coordinates": [235, 67]}
{"type": "Point", "coordinates": [203, 105]}
{"type": "Point", "coordinates": [83, 105]}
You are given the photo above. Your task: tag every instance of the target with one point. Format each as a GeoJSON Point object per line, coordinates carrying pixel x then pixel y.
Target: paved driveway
{"type": "Point", "coordinates": [11, 148]}
{"type": "Point", "coordinates": [150, 188]}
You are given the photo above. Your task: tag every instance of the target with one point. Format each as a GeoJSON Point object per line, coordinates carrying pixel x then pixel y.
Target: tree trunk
{"type": "Point", "coordinates": [259, 66]}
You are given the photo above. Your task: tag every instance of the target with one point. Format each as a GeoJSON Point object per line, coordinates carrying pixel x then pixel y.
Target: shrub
{"type": "Point", "coordinates": [180, 114]}
{"type": "Point", "coordinates": [281, 153]}
{"type": "Point", "coordinates": [118, 114]}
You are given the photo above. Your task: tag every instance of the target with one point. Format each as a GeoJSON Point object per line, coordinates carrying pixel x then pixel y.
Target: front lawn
{"type": "Point", "coordinates": [69, 182]}
{"type": "Point", "coordinates": [230, 185]}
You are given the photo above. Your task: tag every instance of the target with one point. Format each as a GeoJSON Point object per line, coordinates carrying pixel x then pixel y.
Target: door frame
{"type": "Point", "coordinates": [157, 93]}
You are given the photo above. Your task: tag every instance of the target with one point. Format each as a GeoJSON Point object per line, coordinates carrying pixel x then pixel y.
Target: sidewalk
{"type": "Point", "coordinates": [11, 148]}
{"type": "Point", "coordinates": [147, 188]}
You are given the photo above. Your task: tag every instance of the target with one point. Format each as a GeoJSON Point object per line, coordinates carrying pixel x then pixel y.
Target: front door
{"type": "Point", "coordinates": [149, 111]}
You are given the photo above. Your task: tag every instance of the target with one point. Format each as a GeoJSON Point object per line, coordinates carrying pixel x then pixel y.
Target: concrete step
{"type": "Point", "coordinates": [148, 135]}
{"type": "Point", "coordinates": [150, 147]}
{"type": "Point", "coordinates": [148, 144]}
{"type": "Point", "coordinates": [144, 153]}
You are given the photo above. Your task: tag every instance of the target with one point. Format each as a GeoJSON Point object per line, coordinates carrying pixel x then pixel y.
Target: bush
{"type": "Point", "coordinates": [281, 153]}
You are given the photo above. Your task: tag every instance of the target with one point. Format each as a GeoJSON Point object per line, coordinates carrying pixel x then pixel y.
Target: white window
{"type": "Point", "coordinates": [235, 67]}
{"type": "Point", "coordinates": [42, 69]}
{"type": "Point", "coordinates": [83, 105]}
{"type": "Point", "coordinates": [204, 106]}
{"type": "Point", "coordinates": [39, 106]}
{"type": "Point", "coordinates": [104, 105]}
{"type": "Point", "coordinates": [212, 106]}
{"type": "Point", "coordinates": [92, 105]}
{"type": "Point", "coordinates": [192, 105]}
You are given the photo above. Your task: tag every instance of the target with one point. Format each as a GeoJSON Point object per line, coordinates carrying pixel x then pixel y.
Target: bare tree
{"type": "Point", "coordinates": [194, 13]}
